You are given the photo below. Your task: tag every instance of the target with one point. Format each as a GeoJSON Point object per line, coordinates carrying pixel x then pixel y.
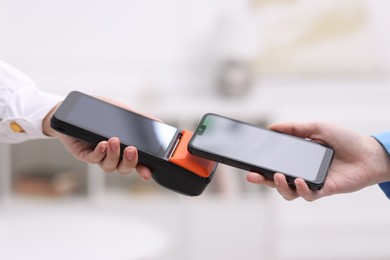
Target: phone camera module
{"type": "Point", "coordinates": [201, 129]}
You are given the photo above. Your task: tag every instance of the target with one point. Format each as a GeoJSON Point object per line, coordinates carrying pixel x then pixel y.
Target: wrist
{"type": "Point", "coordinates": [46, 128]}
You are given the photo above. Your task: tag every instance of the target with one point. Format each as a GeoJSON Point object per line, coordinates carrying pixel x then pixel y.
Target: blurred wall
{"type": "Point", "coordinates": [329, 56]}
{"type": "Point", "coordinates": [275, 60]}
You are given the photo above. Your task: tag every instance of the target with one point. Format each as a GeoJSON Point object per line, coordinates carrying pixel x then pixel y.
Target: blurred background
{"type": "Point", "coordinates": [259, 61]}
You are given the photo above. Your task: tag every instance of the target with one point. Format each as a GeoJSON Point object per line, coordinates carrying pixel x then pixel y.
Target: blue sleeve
{"type": "Point", "coordinates": [384, 140]}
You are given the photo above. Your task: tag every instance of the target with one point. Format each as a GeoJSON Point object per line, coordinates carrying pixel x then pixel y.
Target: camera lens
{"type": "Point", "coordinates": [201, 129]}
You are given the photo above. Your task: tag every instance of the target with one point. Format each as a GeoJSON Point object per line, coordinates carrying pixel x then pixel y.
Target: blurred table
{"type": "Point", "coordinates": [76, 232]}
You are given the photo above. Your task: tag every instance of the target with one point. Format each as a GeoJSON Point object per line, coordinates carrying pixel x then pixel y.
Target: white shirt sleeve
{"type": "Point", "coordinates": [22, 106]}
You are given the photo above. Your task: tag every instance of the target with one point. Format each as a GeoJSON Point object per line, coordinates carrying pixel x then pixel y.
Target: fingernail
{"type": "Point", "coordinates": [297, 186]}
{"type": "Point", "coordinates": [145, 177]}
{"type": "Point", "coordinates": [103, 148]}
{"type": "Point", "coordinates": [276, 182]}
{"type": "Point", "coordinates": [130, 153]}
{"type": "Point", "coordinates": [114, 146]}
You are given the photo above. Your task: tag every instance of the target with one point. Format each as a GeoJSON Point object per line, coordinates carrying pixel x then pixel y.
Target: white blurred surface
{"type": "Point", "coordinates": [75, 232]}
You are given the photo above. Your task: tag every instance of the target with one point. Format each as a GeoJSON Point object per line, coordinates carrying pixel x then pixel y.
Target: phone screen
{"type": "Point", "coordinates": [107, 120]}
{"type": "Point", "coordinates": [266, 149]}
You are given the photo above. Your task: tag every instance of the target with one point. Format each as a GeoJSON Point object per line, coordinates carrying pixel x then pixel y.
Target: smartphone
{"type": "Point", "coordinates": [256, 149]}
{"type": "Point", "coordinates": [160, 146]}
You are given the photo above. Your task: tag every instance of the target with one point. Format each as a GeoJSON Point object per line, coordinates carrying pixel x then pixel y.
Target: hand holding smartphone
{"type": "Point", "coordinates": [160, 146]}
{"type": "Point", "coordinates": [252, 148]}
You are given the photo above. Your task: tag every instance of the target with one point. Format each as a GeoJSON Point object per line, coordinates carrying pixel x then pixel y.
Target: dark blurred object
{"type": "Point", "coordinates": [235, 78]}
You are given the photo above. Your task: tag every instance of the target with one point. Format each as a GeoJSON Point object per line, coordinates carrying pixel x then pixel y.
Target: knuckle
{"type": "Point", "coordinates": [107, 168]}
{"type": "Point", "coordinates": [309, 199]}
{"type": "Point", "coordinates": [125, 169]}
{"type": "Point", "coordinates": [125, 172]}
{"type": "Point", "coordinates": [288, 198]}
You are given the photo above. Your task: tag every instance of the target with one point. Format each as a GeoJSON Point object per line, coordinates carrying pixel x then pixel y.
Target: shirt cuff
{"type": "Point", "coordinates": [17, 130]}
{"type": "Point", "coordinates": [385, 186]}
{"type": "Point", "coordinates": [384, 140]}
{"type": "Point", "coordinates": [28, 126]}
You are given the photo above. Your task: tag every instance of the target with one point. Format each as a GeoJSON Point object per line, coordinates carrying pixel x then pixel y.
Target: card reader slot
{"type": "Point", "coordinates": [175, 145]}
{"type": "Point", "coordinates": [183, 158]}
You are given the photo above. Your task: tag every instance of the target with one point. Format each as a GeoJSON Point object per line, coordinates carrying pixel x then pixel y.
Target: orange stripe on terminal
{"type": "Point", "coordinates": [183, 158]}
